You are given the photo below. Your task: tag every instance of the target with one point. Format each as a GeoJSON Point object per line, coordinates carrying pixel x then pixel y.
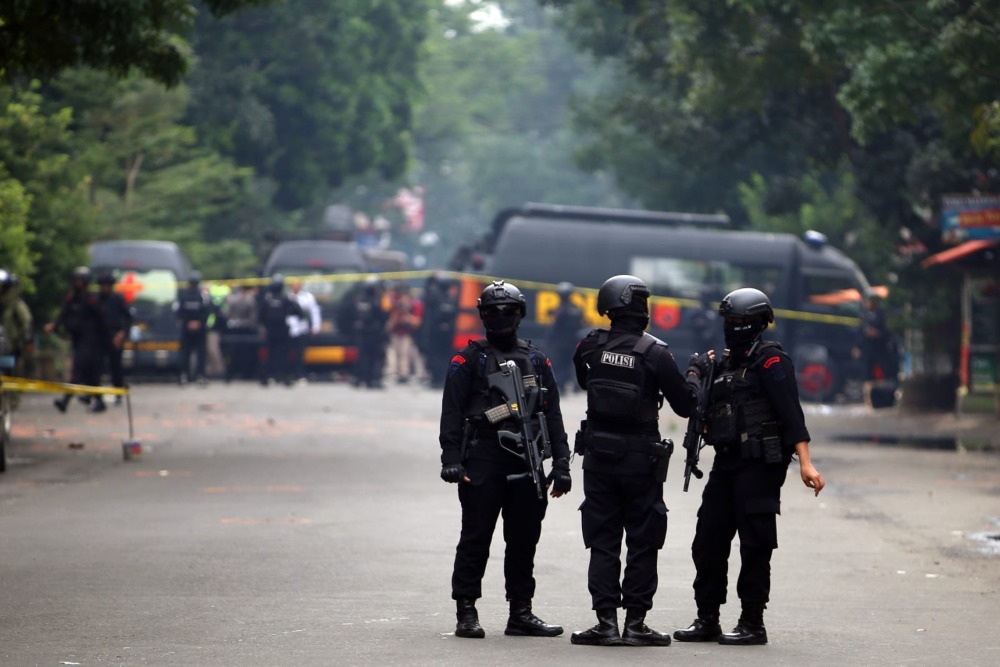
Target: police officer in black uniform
{"type": "Point", "coordinates": [755, 422]}
{"type": "Point", "coordinates": [117, 322]}
{"type": "Point", "coordinates": [81, 318]}
{"type": "Point", "coordinates": [493, 477]}
{"type": "Point", "coordinates": [626, 373]}
{"type": "Point", "coordinates": [274, 309]}
{"type": "Point", "coordinates": [194, 306]}
{"type": "Point", "coordinates": [564, 334]}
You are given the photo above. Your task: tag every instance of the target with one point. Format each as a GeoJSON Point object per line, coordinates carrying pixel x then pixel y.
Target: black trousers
{"type": "Point", "coordinates": [115, 368]}
{"type": "Point", "coordinates": [522, 512]}
{"type": "Point", "coordinates": [614, 505]}
{"type": "Point", "coordinates": [192, 344]}
{"type": "Point", "coordinates": [279, 365]}
{"type": "Point", "coordinates": [744, 498]}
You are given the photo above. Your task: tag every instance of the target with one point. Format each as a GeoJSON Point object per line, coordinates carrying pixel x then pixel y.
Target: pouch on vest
{"type": "Point", "coordinates": [771, 435]}
{"type": "Point", "coordinates": [604, 445]}
{"type": "Point", "coordinates": [721, 425]}
{"type": "Point", "coordinates": [609, 400]}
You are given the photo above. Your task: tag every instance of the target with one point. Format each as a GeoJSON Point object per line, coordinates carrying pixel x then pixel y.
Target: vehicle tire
{"type": "Point", "coordinates": [818, 377]}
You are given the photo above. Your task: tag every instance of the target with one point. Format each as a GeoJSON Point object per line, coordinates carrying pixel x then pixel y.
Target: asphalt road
{"type": "Point", "coordinates": [308, 526]}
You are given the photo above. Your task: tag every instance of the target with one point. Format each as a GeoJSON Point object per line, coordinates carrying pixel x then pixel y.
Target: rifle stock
{"type": "Point", "coordinates": [696, 428]}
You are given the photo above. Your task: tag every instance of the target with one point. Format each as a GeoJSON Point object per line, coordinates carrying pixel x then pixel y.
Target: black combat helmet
{"type": "Point", "coordinates": [106, 278]}
{"type": "Point", "coordinates": [747, 312]}
{"type": "Point", "coordinates": [194, 278]}
{"type": "Point", "coordinates": [623, 292]}
{"type": "Point", "coordinates": [277, 283]}
{"type": "Point", "coordinates": [501, 307]}
{"type": "Point", "coordinates": [747, 302]}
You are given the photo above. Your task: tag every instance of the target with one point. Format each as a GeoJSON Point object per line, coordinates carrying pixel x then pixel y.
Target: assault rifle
{"type": "Point", "coordinates": [533, 447]}
{"type": "Point", "coordinates": [696, 428]}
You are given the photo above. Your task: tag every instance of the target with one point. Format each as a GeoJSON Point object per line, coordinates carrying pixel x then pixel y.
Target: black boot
{"type": "Point", "coordinates": [749, 630]}
{"type": "Point", "coordinates": [637, 633]}
{"type": "Point", "coordinates": [605, 633]}
{"type": "Point", "coordinates": [705, 628]}
{"type": "Point", "coordinates": [523, 623]}
{"type": "Point", "coordinates": [468, 619]}
{"type": "Point", "coordinates": [61, 403]}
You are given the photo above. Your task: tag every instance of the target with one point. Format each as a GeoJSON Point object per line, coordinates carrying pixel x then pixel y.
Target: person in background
{"type": "Point", "coordinates": [437, 327]}
{"type": "Point", "coordinates": [81, 318]}
{"type": "Point", "coordinates": [215, 361]}
{"type": "Point", "coordinates": [404, 321]}
{"type": "Point", "coordinates": [193, 308]}
{"type": "Point", "coordinates": [564, 334]}
{"type": "Point", "coordinates": [241, 339]}
{"type": "Point", "coordinates": [117, 323]}
{"type": "Point", "coordinates": [302, 327]}
{"type": "Point", "coordinates": [274, 309]}
{"type": "Point", "coordinates": [17, 323]}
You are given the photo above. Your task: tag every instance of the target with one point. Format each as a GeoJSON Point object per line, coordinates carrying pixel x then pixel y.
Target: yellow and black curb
{"type": "Point", "coordinates": [131, 448]}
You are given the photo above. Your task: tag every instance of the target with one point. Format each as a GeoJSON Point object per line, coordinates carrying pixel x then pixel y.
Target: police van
{"type": "Point", "coordinates": [147, 274]}
{"type": "Point", "coordinates": [329, 269]}
{"type": "Point", "coordinates": [689, 261]}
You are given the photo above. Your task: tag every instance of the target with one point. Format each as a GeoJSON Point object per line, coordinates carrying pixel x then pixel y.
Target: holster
{"type": "Point", "coordinates": [662, 451]}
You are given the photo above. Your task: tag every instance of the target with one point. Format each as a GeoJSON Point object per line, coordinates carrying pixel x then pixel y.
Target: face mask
{"type": "Point", "coordinates": [500, 324]}
{"type": "Point", "coordinates": [740, 334]}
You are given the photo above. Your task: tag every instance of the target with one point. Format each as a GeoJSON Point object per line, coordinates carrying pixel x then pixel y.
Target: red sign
{"type": "Point", "coordinates": [129, 287]}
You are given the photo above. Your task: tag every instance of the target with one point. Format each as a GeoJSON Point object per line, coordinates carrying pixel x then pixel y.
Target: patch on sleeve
{"type": "Point", "coordinates": [777, 369]}
{"type": "Point", "coordinates": [456, 363]}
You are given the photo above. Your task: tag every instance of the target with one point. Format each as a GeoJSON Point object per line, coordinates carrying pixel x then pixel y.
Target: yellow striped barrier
{"type": "Point", "coordinates": [131, 448]}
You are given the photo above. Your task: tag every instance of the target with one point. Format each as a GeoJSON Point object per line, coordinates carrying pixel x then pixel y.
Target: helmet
{"type": "Point", "coordinates": [194, 278]}
{"type": "Point", "coordinates": [277, 283]}
{"type": "Point", "coordinates": [747, 302]}
{"type": "Point", "coordinates": [502, 294]}
{"type": "Point", "coordinates": [106, 278]}
{"type": "Point", "coordinates": [81, 273]}
{"type": "Point", "coordinates": [622, 291]}
{"type": "Point", "coordinates": [747, 313]}
{"type": "Point", "coordinates": [565, 288]}
{"type": "Point", "coordinates": [6, 278]}
{"type": "Point", "coordinates": [501, 307]}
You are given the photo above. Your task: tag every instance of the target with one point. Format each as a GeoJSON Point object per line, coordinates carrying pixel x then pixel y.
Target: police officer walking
{"type": "Point", "coordinates": [117, 322]}
{"type": "Point", "coordinates": [483, 451]}
{"type": "Point", "coordinates": [81, 318]}
{"type": "Point", "coordinates": [626, 373]}
{"type": "Point", "coordinates": [193, 308]}
{"type": "Point", "coordinates": [755, 422]}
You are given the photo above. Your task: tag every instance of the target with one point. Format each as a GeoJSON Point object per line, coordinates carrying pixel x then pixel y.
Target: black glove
{"type": "Point", "coordinates": [453, 473]}
{"type": "Point", "coordinates": [559, 476]}
{"type": "Point", "coordinates": [699, 364]}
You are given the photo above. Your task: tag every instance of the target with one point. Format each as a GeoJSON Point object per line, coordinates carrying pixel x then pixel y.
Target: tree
{"type": "Point", "coordinates": [311, 93]}
{"type": "Point", "coordinates": [41, 39]}
{"type": "Point", "coordinates": [49, 216]}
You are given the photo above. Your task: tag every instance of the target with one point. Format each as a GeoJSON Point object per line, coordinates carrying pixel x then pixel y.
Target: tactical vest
{"type": "Point", "coordinates": [616, 383]}
{"type": "Point", "coordinates": [738, 409]}
{"type": "Point", "coordinates": [487, 362]}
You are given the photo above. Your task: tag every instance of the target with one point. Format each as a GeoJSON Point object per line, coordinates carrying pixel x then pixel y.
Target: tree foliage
{"type": "Point", "coordinates": [38, 40]}
{"type": "Point", "coordinates": [310, 94]}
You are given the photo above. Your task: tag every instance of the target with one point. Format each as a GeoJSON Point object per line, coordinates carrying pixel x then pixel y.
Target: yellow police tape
{"type": "Point", "coordinates": [780, 313]}
{"type": "Point", "coordinates": [10, 383]}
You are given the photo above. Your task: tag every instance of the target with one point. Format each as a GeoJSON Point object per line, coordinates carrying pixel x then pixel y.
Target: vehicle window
{"type": "Point", "coordinates": [698, 279]}
{"type": "Point", "coordinates": [326, 291]}
{"type": "Point", "coordinates": [832, 293]}
{"type": "Point", "coordinates": [154, 286]}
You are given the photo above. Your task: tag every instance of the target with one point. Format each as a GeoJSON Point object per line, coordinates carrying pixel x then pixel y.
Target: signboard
{"type": "Point", "coordinates": [966, 217]}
